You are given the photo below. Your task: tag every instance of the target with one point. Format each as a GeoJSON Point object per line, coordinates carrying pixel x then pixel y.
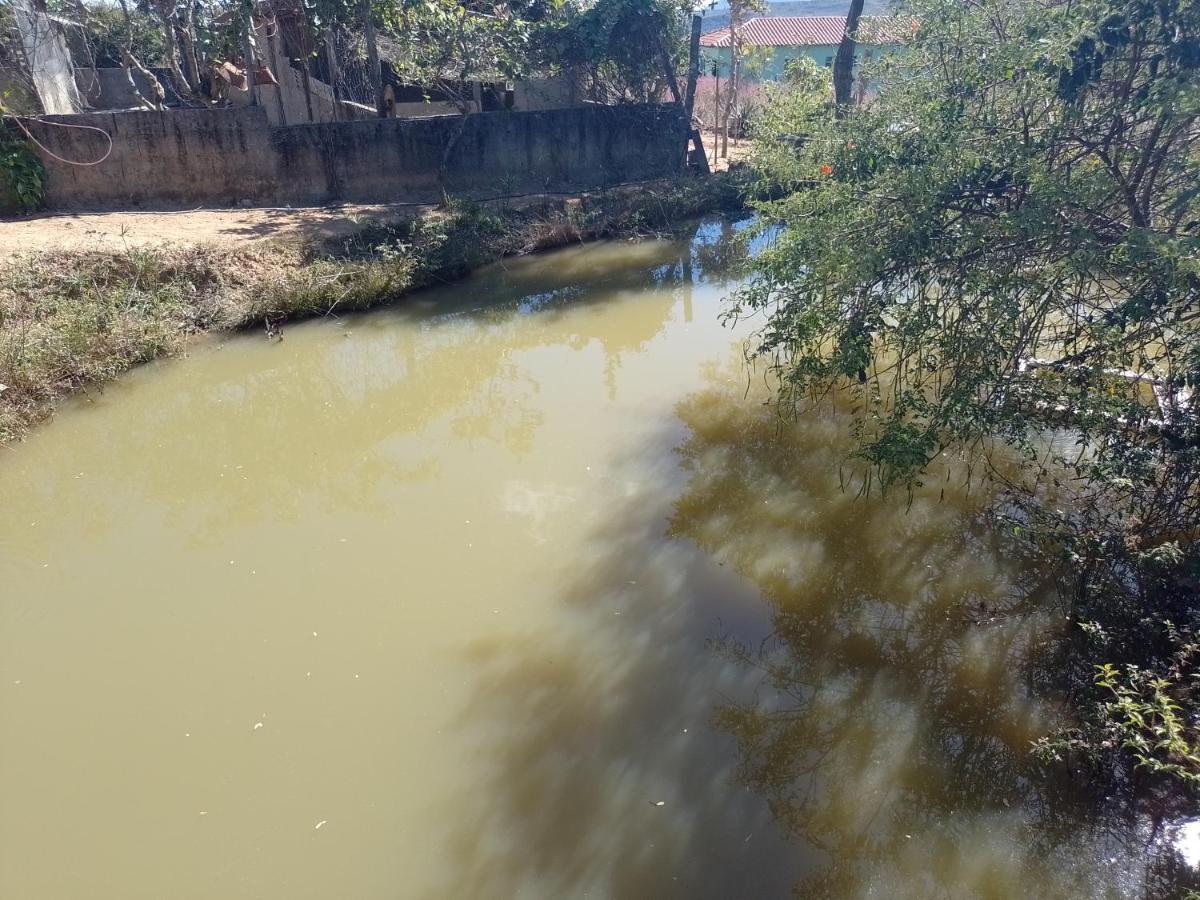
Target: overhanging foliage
{"type": "Point", "coordinates": [1006, 241]}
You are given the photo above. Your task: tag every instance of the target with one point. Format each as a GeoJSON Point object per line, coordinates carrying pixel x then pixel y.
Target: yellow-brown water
{"type": "Point", "coordinates": [513, 590]}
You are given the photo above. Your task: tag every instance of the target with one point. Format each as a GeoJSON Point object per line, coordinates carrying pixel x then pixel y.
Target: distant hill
{"type": "Point", "coordinates": [719, 18]}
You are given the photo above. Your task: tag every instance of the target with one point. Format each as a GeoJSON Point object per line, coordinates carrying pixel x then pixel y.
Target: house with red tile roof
{"type": "Point", "coordinates": [771, 42]}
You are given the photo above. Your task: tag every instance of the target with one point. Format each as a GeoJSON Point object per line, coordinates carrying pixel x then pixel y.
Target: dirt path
{"type": "Point", "coordinates": [134, 228]}
{"type": "Point", "coordinates": [114, 230]}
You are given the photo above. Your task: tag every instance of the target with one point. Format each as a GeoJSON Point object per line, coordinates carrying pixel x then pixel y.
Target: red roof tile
{"type": "Point", "coordinates": [809, 31]}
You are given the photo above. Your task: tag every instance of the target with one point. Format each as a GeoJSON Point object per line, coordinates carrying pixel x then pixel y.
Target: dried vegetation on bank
{"type": "Point", "coordinates": [73, 319]}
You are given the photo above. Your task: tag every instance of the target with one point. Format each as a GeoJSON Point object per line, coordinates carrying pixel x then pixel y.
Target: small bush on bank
{"type": "Point", "coordinates": [22, 175]}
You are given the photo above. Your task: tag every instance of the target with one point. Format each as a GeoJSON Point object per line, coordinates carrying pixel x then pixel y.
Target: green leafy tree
{"type": "Point", "coordinates": [616, 47]}
{"type": "Point", "coordinates": [1008, 241]}
{"type": "Point", "coordinates": [791, 111]}
{"type": "Point", "coordinates": [450, 45]}
{"type": "Point", "coordinates": [739, 11]}
{"type": "Point", "coordinates": [107, 34]}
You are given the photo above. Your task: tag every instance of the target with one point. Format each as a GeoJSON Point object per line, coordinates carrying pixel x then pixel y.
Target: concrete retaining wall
{"type": "Point", "coordinates": [108, 88]}
{"type": "Point", "coordinates": [226, 157]}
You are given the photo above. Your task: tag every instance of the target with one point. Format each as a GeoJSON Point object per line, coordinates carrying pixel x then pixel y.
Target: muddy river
{"type": "Point", "coordinates": [513, 589]}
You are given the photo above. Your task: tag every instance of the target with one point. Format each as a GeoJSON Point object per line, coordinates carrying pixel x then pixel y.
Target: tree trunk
{"type": "Point", "coordinates": [305, 79]}
{"type": "Point", "coordinates": [686, 102]}
{"type": "Point", "coordinates": [334, 77]}
{"type": "Point", "coordinates": [689, 99]}
{"type": "Point", "coordinates": [373, 57]}
{"type": "Point", "coordinates": [735, 65]}
{"type": "Point", "coordinates": [128, 24]}
{"type": "Point", "coordinates": [716, 111]}
{"type": "Point", "coordinates": [669, 72]}
{"type": "Point", "coordinates": [187, 43]}
{"type": "Point", "coordinates": [464, 108]}
{"type": "Point", "coordinates": [128, 62]}
{"type": "Point", "coordinates": [843, 64]}
{"type": "Point", "coordinates": [178, 83]}
{"type": "Point", "coordinates": [249, 62]}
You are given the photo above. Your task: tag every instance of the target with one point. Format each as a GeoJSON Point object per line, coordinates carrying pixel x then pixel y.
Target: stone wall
{"type": "Point", "coordinates": [200, 157]}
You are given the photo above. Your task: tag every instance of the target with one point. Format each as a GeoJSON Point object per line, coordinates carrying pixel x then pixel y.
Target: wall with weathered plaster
{"type": "Point", "coordinates": [557, 92]}
{"type": "Point", "coordinates": [225, 157]}
{"type": "Point", "coordinates": [176, 158]}
{"type": "Point", "coordinates": [108, 88]}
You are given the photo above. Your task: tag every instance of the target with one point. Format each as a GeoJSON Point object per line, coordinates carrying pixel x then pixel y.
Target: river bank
{"type": "Point", "coordinates": [71, 319]}
{"type": "Point", "coordinates": [234, 227]}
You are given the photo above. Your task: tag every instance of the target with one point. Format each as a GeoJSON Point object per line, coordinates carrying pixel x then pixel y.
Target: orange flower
{"type": "Point", "coordinates": [826, 169]}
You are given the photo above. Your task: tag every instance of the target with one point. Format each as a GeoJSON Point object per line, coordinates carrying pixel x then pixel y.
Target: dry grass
{"type": "Point", "coordinates": [69, 319]}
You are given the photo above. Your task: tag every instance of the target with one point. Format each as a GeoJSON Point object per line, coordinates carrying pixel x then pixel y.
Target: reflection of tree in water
{"type": "Point", "coordinates": [892, 726]}
{"type": "Point", "coordinates": [718, 248]}
{"type": "Point", "coordinates": [875, 705]}
{"type": "Point", "coordinates": [583, 726]}
{"type": "Point", "coordinates": [328, 420]}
